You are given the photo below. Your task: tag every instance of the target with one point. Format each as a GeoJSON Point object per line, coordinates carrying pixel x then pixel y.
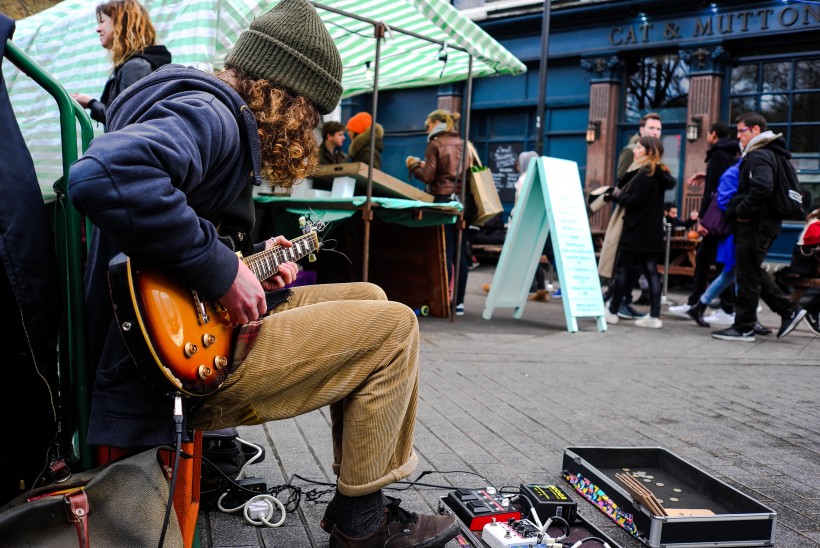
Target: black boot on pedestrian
{"type": "Point", "coordinates": [696, 313]}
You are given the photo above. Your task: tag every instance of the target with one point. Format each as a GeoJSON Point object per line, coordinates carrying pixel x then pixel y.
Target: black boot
{"type": "Point", "coordinates": [696, 313]}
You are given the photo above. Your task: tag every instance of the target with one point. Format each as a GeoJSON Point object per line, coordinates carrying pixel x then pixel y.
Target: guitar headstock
{"type": "Point", "coordinates": [308, 226]}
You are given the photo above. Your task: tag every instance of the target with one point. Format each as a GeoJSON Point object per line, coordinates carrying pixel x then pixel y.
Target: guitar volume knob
{"type": "Point", "coordinates": [208, 340]}
{"type": "Point", "coordinates": [204, 372]}
{"type": "Point", "coordinates": [220, 362]}
{"type": "Point", "coordinates": [190, 349]}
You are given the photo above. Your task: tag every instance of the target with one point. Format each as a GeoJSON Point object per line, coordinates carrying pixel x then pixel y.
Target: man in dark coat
{"type": "Point", "coordinates": [757, 225]}
{"type": "Point", "coordinates": [722, 154]}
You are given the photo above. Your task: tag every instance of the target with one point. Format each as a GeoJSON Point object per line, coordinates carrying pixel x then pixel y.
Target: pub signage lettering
{"type": "Point", "coordinates": [752, 21]}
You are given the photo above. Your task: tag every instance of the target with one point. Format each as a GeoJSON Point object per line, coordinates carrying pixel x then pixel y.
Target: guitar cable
{"type": "Point", "coordinates": [260, 509]}
{"type": "Point", "coordinates": [177, 455]}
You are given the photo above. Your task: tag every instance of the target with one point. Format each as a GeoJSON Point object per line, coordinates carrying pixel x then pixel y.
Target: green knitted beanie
{"type": "Point", "coordinates": [289, 46]}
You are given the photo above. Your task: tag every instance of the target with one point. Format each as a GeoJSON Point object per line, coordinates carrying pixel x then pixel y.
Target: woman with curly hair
{"type": "Point", "coordinates": [170, 185]}
{"type": "Point", "coordinates": [641, 194]}
{"type": "Point", "coordinates": [125, 29]}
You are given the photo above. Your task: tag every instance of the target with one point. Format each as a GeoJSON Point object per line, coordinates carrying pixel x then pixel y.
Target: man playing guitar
{"type": "Point", "coordinates": [170, 186]}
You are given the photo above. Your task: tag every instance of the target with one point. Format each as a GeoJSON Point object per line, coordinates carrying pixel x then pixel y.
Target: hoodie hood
{"type": "Point", "coordinates": [729, 146]}
{"type": "Point", "coordinates": [171, 80]}
{"type": "Point", "coordinates": [363, 139]}
{"type": "Point", "coordinates": [156, 55]}
{"type": "Point", "coordinates": [773, 141]}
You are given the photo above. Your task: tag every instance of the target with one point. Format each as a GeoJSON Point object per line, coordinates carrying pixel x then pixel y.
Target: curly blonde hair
{"type": "Point", "coordinates": [286, 121]}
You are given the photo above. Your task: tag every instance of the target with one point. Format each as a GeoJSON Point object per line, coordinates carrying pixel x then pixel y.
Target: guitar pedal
{"type": "Point", "coordinates": [512, 533]}
{"type": "Point", "coordinates": [478, 507]}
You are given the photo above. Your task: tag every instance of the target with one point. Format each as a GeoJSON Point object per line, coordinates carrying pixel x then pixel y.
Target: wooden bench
{"type": "Point", "coordinates": [493, 251]}
{"type": "Point", "coordinates": [800, 285]}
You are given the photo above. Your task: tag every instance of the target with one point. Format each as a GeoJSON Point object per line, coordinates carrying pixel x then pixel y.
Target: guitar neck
{"type": "Point", "coordinates": [266, 263]}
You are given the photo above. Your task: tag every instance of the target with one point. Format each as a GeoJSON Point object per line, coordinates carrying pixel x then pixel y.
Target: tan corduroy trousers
{"type": "Point", "coordinates": [343, 345]}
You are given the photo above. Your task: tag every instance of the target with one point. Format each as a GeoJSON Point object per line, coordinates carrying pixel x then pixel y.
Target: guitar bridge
{"type": "Point", "coordinates": [202, 312]}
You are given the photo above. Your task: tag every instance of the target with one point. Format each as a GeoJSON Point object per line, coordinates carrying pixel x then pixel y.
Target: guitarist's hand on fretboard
{"type": "Point", "coordinates": [287, 270]}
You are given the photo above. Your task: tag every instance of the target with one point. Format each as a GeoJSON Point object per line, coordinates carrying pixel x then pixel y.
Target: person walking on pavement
{"type": "Point", "coordinates": [641, 195]}
{"type": "Point", "coordinates": [757, 224]}
{"type": "Point", "coordinates": [722, 154]}
{"type": "Point", "coordinates": [649, 126]}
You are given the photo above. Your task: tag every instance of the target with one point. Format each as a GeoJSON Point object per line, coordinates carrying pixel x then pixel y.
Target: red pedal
{"type": "Point", "coordinates": [478, 507]}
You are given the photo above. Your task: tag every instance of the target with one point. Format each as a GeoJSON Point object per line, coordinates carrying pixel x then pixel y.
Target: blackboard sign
{"type": "Point", "coordinates": [501, 162]}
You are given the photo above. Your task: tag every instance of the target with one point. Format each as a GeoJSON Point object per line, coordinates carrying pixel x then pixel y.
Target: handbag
{"type": "Point", "coordinates": [612, 239]}
{"type": "Point", "coordinates": [714, 220]}
{"type": "Point", "coordinates": [487, 202]}
{"type": "Point", "coordinates": [483, 190]}
{"type": "Point", "coordinates": [120, 504]}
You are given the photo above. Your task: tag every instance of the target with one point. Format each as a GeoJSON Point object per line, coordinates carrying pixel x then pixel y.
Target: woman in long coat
{"type": "Point", "coordinates": [641, 243]}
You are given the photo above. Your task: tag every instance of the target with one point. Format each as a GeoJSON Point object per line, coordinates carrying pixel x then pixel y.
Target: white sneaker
{"type": "Point", "coordinates": [719, 317]}
{"type": "Point", "coordinates": [611, 318]}
{"type": "Point", "coordinates": [650, 322]}
{"type": "Point", "coordinates": [680, 310]}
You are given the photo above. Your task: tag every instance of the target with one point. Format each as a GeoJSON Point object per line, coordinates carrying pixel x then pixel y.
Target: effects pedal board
{"type": "Point", "coordinates": [478, 507]}
{"type": "Point", "coordinates": [549, 501]}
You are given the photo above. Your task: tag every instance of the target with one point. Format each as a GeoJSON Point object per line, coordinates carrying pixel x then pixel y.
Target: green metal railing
{"type": "Point", "coordinates": [68, 236]}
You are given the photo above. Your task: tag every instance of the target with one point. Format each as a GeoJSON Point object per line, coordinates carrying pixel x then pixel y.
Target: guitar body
{"type": "Point", "coordinates": [172, 336]}
{"type": "Point", "coordinates": [176, 340]}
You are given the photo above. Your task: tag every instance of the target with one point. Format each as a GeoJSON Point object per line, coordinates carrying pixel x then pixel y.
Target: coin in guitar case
{"type": "Point", "coordinates": [673, 499]}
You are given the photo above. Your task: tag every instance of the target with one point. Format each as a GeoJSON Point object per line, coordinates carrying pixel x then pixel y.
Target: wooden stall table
{"type": "Point", "coordinates": [682, 252]}
{"type": "Point", "coordinates": [384, 184]}
{"type": "Point", "coordinates": [407, 256]}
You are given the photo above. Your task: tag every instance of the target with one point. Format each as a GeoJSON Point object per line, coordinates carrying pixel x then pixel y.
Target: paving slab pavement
{"type": "Point", "coordinates": [501, 399]}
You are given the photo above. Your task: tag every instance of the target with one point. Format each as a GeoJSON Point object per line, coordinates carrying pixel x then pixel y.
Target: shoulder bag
{"type": "Point", "coordinates": [714, 220]}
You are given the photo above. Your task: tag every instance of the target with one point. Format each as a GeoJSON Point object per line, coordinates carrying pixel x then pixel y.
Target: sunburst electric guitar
{"type": "Point", "coordinates": [178, 340]}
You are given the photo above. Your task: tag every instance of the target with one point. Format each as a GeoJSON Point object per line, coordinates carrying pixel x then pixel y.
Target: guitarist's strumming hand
{"type": "Point", "coordinates": [245, 300]}
{"type": "Point", "coordinates": [287, 270]}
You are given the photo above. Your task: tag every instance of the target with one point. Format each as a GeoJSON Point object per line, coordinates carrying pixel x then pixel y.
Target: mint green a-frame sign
{"type": "Point", "coordinates": [551, 201]}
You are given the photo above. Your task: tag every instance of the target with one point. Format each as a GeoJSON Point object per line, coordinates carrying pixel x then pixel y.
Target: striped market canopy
{"type": "Point", "coordinates": [62, 40]}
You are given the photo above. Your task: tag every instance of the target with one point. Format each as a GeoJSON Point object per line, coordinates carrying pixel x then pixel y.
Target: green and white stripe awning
{"type": "Point", "coordinates": [201, 32]}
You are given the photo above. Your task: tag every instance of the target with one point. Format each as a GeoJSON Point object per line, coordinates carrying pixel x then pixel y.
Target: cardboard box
{"type": "Point", "coordinates": [703, 511]}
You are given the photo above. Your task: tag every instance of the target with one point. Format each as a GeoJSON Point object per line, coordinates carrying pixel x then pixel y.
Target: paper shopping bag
{"type": "Point", "coordinates": [487, 202]}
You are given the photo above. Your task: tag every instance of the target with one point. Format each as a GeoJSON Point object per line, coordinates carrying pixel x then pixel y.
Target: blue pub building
{"type": "Point", "coordinates": [611, 61]}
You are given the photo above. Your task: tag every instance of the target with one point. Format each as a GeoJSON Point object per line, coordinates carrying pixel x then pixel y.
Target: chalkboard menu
{"type": "Point", "coordinates": [501, 162]}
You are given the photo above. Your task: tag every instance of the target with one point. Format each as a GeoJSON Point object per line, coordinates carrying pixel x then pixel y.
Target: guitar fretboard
{"type": "Point", "coordinates": [266, 263]}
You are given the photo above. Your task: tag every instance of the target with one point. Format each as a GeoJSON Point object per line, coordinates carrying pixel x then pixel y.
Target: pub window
{"type": "Point", "coordinates": [786, 93]}
{"type": "Point", "coordinates": [657, 84]}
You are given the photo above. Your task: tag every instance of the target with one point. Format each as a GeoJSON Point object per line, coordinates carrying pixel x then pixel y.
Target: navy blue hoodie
{"type": "Point", "coordinates": [180, 150]}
